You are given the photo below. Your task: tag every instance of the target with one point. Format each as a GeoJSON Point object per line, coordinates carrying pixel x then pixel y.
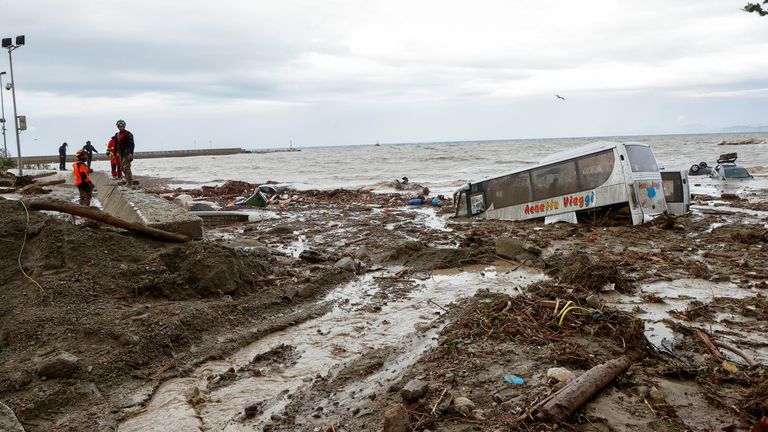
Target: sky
{"type": "Point", "coordinates": [266, 74]}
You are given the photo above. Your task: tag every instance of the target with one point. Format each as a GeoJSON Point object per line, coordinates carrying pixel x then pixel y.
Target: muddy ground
{"type": "Point", "coordinates": [105, 317]}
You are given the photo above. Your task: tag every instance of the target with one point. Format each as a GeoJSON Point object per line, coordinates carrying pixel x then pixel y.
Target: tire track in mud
{"type": "Point", "coordinates": [366, 318]}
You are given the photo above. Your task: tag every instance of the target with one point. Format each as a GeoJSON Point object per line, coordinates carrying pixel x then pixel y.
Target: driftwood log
{"type": "Point", "coordinates": [41, 175]}
{"type": "Point", "coordinates": [708, 342]}
{"type": "Point", "coordinates": [747, 358]}
{"type": "Point", "coordinates": [98, 215]}
{"type": "Point", "coordinates": [571, 397]}
{"type": "Point", "coordinates": [49, 182]}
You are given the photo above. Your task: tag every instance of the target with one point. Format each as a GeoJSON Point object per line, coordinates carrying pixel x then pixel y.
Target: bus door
{"type": "Point", "coordinates": [677, 191]}
{"type": "Point", "coordinates": [647, 189]}
{"type": "Point", "coordinates": [461, 202]}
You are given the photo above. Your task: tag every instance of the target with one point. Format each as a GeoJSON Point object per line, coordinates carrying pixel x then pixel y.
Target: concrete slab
{"type": "Point", "coordinates": [218, 218]}
{"type": "Point", "coordinates": [134, 205]}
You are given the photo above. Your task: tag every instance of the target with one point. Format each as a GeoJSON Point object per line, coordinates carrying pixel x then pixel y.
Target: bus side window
{"type": "Point", "coordinates": [595, 169]}
{"type": "Point", "coordinates": [554, 180]}
{"type": "Point", "coordinates": [510, 190]}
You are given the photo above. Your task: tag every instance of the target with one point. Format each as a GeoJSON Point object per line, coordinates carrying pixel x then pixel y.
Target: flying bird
{"type": "Point", "coordinates": [559, 97]}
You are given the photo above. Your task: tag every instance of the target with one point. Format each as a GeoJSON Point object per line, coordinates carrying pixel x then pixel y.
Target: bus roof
{"type": "Point", "coordinates": [567, 154]}
{"type": "Point", "coordinates": [584, 150]}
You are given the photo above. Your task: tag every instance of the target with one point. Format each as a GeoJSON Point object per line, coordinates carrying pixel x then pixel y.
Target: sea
{"type": "Point", "coordinates": [441, 166]}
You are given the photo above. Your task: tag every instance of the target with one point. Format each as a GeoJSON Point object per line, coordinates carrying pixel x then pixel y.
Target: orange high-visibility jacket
{"type": "Point", "coordinates": [78, 169]}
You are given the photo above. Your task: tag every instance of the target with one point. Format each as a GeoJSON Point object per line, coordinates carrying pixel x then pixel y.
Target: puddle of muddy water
{"type": "Point", "coordinates": [294, 248]}
{"type": "Point", "coordinates": [350, 330]}
{"type": "Point", "coordinates": [430, 219]}
{"type": "Point", "coordinates": [677, 295]}
{"type": "Point", "coordinates": [757, 214]}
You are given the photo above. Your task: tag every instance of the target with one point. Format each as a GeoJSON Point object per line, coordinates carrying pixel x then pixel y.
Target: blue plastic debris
{"type": "Point", "coordinates": [514, 379]}
{"type": "Point", "coordinates": [416, 201]}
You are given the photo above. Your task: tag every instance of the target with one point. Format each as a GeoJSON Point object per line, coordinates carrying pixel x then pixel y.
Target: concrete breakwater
{"type": "Point", "coordinates": [32, 160]}
{"type": "Point", "coordinates": [138, 155]}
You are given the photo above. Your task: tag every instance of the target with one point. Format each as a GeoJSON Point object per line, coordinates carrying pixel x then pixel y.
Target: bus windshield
{"type": "Point", "coordinates": [641, 158]}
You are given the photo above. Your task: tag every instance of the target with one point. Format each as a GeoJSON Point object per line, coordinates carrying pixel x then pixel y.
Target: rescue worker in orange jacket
{"type": "Point", "coordinates": [114, 159]}
{"type": "Point", "coordinates": [83, 178]}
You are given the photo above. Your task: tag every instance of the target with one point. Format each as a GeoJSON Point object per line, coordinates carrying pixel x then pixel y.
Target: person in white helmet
{"type": "Point", "coordinates": [124, 146]}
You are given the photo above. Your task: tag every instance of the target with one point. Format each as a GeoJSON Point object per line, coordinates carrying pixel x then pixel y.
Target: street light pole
{"type": "Point", "coordinates": [7, 44]}
{"type": "Point", "coordinates": [2, 112]}
{"type": "Point", "coordinates": [15, 115]}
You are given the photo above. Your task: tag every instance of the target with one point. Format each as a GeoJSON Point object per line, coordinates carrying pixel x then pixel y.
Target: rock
{"type": "Point", "coordinates": [307, 290]}
{"type": "Point", "coordinates": [347, 264]}
{"type": "Point", "coordinates": [463, 406]}
{"type": "Point", "coordinates": [414, 390]}
{"type": "Point", "coordinates": [396, 419]}
{"type": "Point", "coordinates": [497, 398]}
{"type": "Point", "coordinates": [514, 249]}
{"type": "Point", "coordinates": [201, 206]}
{"type": "Point", "coordinates": [643, 391]}
{"type": "Point", "coordinates": [283, 229]}
{"type": "Point", "coordinates": [311, 256]}
{"type": "Point", "coordinates": [8, 420]}
{"type": "Point", "coordinates": [276, 417]}
{"type": "Point", "coordinates": [560, 375]}
{"type": "Point", "coordinates": [62, 365]}
{"type": "Point", "coordinates": [656, 395]}
{"type": "Point", "coordinates": [183, 200]}
{"type": "Point", "coordinates": [127, 340]}
{"type": "Point", "coordinates": [593, 301]}
{"type": "Point", "coordinates": [253, 410]}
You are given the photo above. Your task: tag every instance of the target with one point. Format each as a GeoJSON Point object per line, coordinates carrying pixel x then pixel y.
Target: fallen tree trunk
{"type": "Point", "coordinates": [98, 215]}
{"type": "Point", "coordinates": [49, 182]}
{"type": "Point", "coordinates": [41, 175]}
{"type": "Point", "coordinates": [571, 397]}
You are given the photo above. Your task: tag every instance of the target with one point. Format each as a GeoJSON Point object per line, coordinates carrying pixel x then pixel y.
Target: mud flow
{"type": "Point", "coordinates": [351, 311]}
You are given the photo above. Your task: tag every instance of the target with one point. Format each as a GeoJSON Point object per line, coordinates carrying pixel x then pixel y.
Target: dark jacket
{"type": "Point", "coordinates": [62, 150]}
{"type": "Point", "coordinates": [89, 148]}
{"type": "Point", "coordinates": [125, 143]}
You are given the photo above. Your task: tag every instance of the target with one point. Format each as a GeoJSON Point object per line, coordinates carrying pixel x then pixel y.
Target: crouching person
{"type": "Point", "coordinates": [83, 178]}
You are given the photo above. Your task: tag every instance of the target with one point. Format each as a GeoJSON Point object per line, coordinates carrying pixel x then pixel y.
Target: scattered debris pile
{"type": "Point", "coordinates": [27, 184]}
{"type": "Point", "coordinates": [742, 142]}
{"type": "Point", "coordinates": [418, 256]}
{"type": "Point", "coordinates": [590, 274]}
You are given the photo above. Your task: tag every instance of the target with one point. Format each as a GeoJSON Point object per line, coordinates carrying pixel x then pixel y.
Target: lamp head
{"type": "Point", "coordinates": [7, 42]}
{"type": "Point", "coordinates": [8, 86]}
{"type": "Point", "coordinates": [3, 73]}
{"type": "Point", "coordinates": [20, 40]}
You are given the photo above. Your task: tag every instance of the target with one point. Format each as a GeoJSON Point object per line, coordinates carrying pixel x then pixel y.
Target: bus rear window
{"type": "Point", "coordinates": [641, 159]}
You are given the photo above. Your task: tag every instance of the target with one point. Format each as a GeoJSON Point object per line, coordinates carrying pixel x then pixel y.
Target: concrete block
{"type": "Point", "coordinates": [134, 205]}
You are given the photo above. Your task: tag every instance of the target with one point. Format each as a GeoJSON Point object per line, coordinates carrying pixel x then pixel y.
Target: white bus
{"type": "Point", "coordinates": [597, 177]}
